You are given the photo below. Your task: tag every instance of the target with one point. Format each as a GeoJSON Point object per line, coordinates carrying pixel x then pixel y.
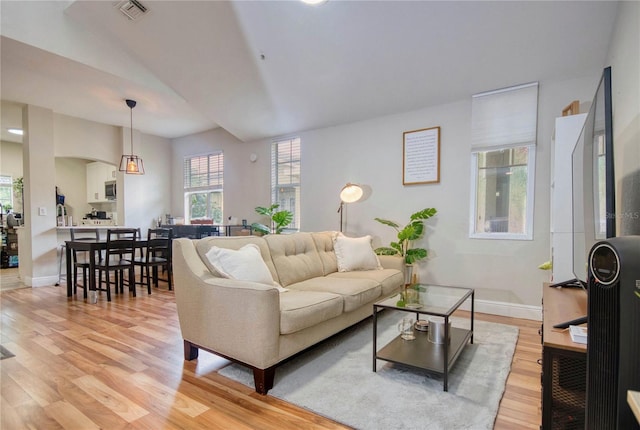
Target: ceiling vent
{"type": "Point", "coordinates": [132, 9]}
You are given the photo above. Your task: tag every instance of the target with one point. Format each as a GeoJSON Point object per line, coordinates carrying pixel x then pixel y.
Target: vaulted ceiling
{"type": "Point", "coordinates": [268, 68]}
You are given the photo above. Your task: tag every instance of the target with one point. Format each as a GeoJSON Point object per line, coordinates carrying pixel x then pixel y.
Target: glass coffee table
{"type": "Point", "coordinates": [423, 353]}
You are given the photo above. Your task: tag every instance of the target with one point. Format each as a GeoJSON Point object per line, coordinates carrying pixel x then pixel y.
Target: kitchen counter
{"type": "Point", "coordinates": [89, 226]}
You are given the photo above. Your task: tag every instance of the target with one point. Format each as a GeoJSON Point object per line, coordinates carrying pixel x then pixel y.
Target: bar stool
{"type": "Point", "coordinates": [80, 259]}
{"type": "Point", "coordinates": [61, 256]}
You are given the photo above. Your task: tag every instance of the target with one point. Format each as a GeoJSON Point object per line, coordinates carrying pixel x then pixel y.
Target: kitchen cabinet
{"type": "Point", "coordinates": [97, 174]}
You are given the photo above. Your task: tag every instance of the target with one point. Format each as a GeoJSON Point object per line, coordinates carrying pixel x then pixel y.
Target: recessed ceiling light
{"type": "Point", "coordinates": [17, 131]}
{"type": "Point", "coordinates": [314, 2]}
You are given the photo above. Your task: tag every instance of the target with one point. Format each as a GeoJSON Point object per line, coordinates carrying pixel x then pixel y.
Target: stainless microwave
{"type": "Point", "coordinates": [110, 190]}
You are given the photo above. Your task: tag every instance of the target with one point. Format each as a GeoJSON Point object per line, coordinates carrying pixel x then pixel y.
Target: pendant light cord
{"type": "Point", "coordinates": [131, 104]}
{"type": "Point", "coordinates": [131, 129]}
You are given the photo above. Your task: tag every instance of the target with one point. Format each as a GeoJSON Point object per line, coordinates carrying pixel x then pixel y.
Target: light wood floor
{"type": "Point", "coordinates": [120, 365]}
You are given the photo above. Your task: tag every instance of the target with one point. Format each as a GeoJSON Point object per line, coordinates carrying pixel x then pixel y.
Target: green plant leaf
{"type": "Point", "coordinates": [282, 218]}
{"type": "Point", "coordinates": [260, 228]}
{"type": "Point", "coordinates": [412, 231]}
{"type": "Point", "coordinates": [415, 254]}
{"type": "Point", "coordinates": [424, 214]}
{"type": "Point", "coordinates": [383, 250]}
{"type": "Point", "coordinates": [268, 211]}
{"type": "Point", "coordinates": [387, 222]}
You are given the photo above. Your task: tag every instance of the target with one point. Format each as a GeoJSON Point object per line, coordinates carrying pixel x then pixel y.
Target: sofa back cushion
{"type": "Point", "coordinates": [236, 242]}
{"type": "Point", "coordinates": [324, 245]}
{"type": "Point", "coordinates": [294, 257]}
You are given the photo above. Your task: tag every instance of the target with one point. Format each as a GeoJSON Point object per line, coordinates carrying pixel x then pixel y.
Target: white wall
{"type": "Point", "coordinates": [148, 196]}
{"type": "Point", "coordinates": [624, 59]}
{"type": "Point", "coordinates": [11, 159]}
{"type": "Point", "coordinates": [40, 268]}
{"type": "Point", "coordinates": [80, 138]}
{"type": "Point", "coordinates": [71, 180]}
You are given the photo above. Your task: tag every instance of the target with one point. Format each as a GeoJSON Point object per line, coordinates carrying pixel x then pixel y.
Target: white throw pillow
{"type": "Point", "coordinates": [355, 253]}
{"type": "Point", "coordinates": [244, 264]}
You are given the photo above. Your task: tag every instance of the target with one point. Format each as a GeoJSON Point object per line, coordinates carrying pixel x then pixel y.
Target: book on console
{"type": "Point", "coordinates": [578, 333]}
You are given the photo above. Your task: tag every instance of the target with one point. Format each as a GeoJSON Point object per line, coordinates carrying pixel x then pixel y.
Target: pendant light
{"type": "Point", "coordinates": [131, 164]}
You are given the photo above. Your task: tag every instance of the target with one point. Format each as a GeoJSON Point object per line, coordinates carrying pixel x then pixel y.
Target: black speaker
{"type": "Point", "coordinates": [613, 347]}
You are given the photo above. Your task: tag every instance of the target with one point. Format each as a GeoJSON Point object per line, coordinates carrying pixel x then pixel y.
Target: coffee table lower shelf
{"type": "Point", "coordinates": [423, 354]}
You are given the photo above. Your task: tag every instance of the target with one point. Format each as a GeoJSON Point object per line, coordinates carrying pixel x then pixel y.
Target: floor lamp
{"type": "Point", "coordinates": [350, 193]}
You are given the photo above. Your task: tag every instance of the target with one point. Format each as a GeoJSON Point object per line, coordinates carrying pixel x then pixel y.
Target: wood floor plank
{"type": "Point", "coordinates": [9, 417]}
{"type": "Point", "coordinates": [37, 388]}
{"type": "Point", "coordinates": [69, 417]}
{"type": "Point", "coordinates": [120, 366]}
{"type": "Point", "coordinates": [115, 354]}
{"type": "Point", "coordinates": [118, 403]}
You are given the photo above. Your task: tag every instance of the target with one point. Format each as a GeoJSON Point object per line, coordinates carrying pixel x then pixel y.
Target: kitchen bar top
{"type": "Point", "coordinates": [89, 226]}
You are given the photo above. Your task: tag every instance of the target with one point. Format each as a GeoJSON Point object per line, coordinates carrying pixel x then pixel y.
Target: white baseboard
{"type": "Point", "coordinates": [504, 309]}
{"type": "Point", "coordinates": [42, 281]}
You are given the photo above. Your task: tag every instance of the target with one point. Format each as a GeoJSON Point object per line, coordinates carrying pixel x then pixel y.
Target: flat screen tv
{"type": "Point", "coordinates": [593, 186]}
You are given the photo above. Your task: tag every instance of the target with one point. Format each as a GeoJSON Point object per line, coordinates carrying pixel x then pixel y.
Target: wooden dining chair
{"type": "Point", "coordinates": [156, 254]}
{"type": "Point", "coordinates": [81, 258]}
{"type": "Point", "coordinates": [118, 258]}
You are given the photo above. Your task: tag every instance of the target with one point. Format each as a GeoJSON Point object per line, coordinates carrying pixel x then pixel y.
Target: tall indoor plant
{"type": "Point", "coordinates": [279, 219]}
{"type": "Point", "coordinates": [414, 230]}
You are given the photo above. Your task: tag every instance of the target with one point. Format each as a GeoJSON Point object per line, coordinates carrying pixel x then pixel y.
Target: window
{"type": "Point", "coordinates": [504, 124]}
{"type": "Point", "coordinates": [6, 192]}
{"type": "Point", "coordinates": [285, 177]}
{"type": "Point", "coordinates": [203, 184]}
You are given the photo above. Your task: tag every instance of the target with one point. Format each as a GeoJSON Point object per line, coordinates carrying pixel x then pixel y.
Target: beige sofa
{"type": "Point", "coordinates": [259, 325]}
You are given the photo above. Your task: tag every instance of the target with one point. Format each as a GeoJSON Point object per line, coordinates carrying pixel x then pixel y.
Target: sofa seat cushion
{"type": "Point", "coordinates": [389, 279]}
{"type": "Point", "coordinates": [303, 309]}
{"type": "Point", "coordinates": [354, 291]}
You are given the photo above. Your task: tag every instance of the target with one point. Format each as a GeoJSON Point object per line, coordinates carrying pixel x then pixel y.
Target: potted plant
{"type": "Point", "coordinates": [279, 219]}
{"type": "Point", "coordinates": [414, 230]}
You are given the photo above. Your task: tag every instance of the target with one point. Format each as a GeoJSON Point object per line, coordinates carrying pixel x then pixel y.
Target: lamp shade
{"type": "Point", "coordinates": [351, 193]}
{"type": "Point", "coordinates": [131, 164]}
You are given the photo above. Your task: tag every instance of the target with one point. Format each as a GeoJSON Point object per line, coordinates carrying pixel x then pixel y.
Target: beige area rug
{"type": "Point", "coordinates": [335, 379]}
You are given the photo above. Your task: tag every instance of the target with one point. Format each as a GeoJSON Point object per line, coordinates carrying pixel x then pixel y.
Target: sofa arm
{"type": "Point", "coordinates": [238, 319]}
{"type": "Point", "coordinates": [392, 262]}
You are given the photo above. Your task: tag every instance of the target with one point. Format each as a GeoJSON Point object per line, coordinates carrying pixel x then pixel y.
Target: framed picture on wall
{"type": "Point", "coordinates": [421, 156]}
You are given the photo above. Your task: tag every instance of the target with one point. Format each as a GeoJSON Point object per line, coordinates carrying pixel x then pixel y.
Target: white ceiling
{"type": "Point", "coordinates": [268, 68]}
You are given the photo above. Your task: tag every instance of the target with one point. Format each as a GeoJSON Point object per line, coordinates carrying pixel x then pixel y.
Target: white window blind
{"type": "Point", "coordinates": [204, 172]}
{"type": "Point", "coordinates": [285, 177]}
{"type": "Point", "coordinates": [504, 118]}
{"type": "Point", "coordinates": [6, 191]}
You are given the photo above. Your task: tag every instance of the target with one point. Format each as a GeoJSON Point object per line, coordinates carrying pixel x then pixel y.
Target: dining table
{"type": "Point", "coordinates": [93, 247]}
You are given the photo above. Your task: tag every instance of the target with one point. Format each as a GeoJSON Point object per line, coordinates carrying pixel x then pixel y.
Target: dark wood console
{"type": "Point", "coordinates": [198, 231]}
{"type": "Point", "coordinates": [564, 362]}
